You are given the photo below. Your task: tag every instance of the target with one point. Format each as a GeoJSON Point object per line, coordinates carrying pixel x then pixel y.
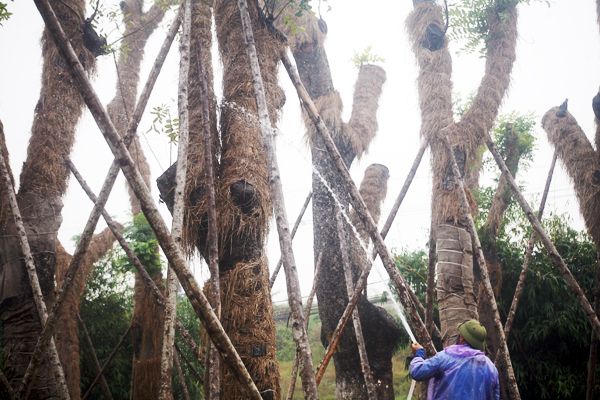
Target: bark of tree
{"type": "Point", "coordinates": [43, 183]}
{"type": "Point", "coordinates": [378, 326]}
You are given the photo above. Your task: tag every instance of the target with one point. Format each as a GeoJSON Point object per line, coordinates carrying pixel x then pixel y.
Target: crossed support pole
{"type": "Point", "coordinates": [168, 245]}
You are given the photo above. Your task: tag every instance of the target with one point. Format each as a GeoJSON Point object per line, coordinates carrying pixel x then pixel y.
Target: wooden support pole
{"type": "Point", "coordinates": [309, 301]}
{"type": "Point", "coordinates": [38, 297]}
{"type": "Point", "coordinates": [521, 283]}
{"type": "Point", "coordinates": [110, 358]}
{"type": "Point", "coordinates": [189, 363]}
{"type": "Point", "coordinates": [92, 353]}
{"type": "Point", "coordinates": [165, 391]}
{"type": "Point", "coordinates": [362, 350]}
{"type": "Point", "coordinates": [181, 380]}
{"type": "Point", "coordinates": [165, 240]}
{"type": "Point", "coordinates": [552, 252]}
{"type": "Point", "coordinates": [429, 323]}
{"type": "Point", "coordinates": [214, 381]}
{"type": "Point", "coordinates": [88, 231]}
{"type": "Point", "coordinates": [362, 212]}
{"type": "Point", "coordinates": [294, 229]}
{"type": "Point", "coordinates": [309, 384]}
{"type": "Point", "coordinates": [156, 294]}
{"type": "Point", "coordinates": [503, 357]}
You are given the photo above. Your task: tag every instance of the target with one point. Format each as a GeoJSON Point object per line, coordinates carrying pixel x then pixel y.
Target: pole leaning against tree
{"type": "Point", "coordinates": [532, 239]}
{"type": "Point", "coordinates": [165, 389]}
{"type": "Point", "coordinates": [362, 212]}
{"type": "Point", "coordinates": [537, 227]}
{"type": "Point", "coordinates": [360, 341]}
{"type": "Point", "coordinates": [214, 391]}
{"type": "Point", "coordinates": [309, 384]}
{"type": "Point", "coordinates": [165, 240]}
{"type": "Point", "coordinates": [503, 359]}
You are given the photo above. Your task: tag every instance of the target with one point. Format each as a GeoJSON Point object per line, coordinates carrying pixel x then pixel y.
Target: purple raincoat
{"type": "Point", "coordinates": [458, 372]}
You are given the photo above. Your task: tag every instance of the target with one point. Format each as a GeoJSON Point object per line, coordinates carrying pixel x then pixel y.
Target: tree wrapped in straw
{"type": "Point", "coordinates": [243, 201]}
{"type": "Point", "coordinates": [44, 180]}
{"type": "Point", "coordinates": [242, 190]}
{"type": "Point", "coordinates": [456, 296]}
{"type": "Point", "coordinates": [67, 340]}
{"type": "Point", "coordinates": [581, 162]}
{"type": "Point", "coordinates": [352, 140]}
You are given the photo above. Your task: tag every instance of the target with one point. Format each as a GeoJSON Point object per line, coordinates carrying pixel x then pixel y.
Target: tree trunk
{"type": "Point", "coordinates": [44, 180]}
{"type": "Point", "coordinates": [379, 328]}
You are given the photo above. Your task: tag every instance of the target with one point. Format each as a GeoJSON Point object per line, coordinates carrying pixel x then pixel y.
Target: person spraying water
{"type": "Point", "coordinates": [462, 371]}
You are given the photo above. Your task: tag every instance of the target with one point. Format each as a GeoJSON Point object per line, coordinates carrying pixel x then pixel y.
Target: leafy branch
{"type": "Point", "coordinates": [366, 57]}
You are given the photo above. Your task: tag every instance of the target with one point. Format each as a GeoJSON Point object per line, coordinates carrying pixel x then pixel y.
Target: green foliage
{"type": "Point", "coordinates": [524, 126]}
{"type": "Point", "coordinates": [552, 330]}
{"type": "Point", "coordinates": [469, 21]}
{"type": "Point", "coordinates": [141, 239]}
{"type": "Point", "coordinates": [163, 123]}
{"type": "Point", "coordinates": [366, 57]}
{"type": "Point", "coordinates": [4, 14]}
{"type": "Point", "coordinates": [188, 318]}
{"type": "Point", "coordinates": [106, 308]}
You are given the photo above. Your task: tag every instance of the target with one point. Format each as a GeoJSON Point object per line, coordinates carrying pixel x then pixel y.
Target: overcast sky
{"type": "Point", "coordinates": [558, 57]}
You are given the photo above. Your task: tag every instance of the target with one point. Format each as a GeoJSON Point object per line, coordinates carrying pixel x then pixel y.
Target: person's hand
{"type": "Point", "coordinates": [416, 346]}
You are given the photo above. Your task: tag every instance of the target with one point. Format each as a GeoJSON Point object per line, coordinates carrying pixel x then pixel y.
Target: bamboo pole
{"type": "Point", "coordinates": [110, 358]}
{"type": "Point", "coordinates": [189, 363]}
{"type": "Point", "coordinates": [537, 227]}
{"type": "Point", "coordinates": [157, 294]}
{"type": "Point", "coordinates": [214, 381]}
{"type": "Point", "coordinates": [38, 297]}
{"type": "Point", "coordinates": [307, 373]}
{"type": "Point", "coordinates": [503, 357]}
{"type": "Point", "coordinates": [181, 380]}
{"type": "Point", "coordinates": [429, 323]}
{"type": "Point", "coordinates": [88, 231]}
{"type": "Point", "coordinates": [294, 229]}
{"type": "Point", "coordinates": [521, 283]}
{"type": "Point", "coordinates": [168, 245]}
{"type": "Point", "coordinates": [92, 353]}
{"type": "Point", "coordinates": [309, 301]}
{"type": "Point", "coordinates": [165, 391]}
{"type": "Point", "coordinates": [363, 213]}
{"type": "Point", "coordinates": [360, 341]}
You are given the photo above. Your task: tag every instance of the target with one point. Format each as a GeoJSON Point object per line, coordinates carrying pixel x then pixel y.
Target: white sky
{"type": "Point", "coordinates": [558, 57]}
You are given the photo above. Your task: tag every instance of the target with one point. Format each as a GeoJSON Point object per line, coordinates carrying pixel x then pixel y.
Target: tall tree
{"type": "Point", "coordinates": [352, 139]}
{"type": "Point", "coordinates": [44, 180]}
{"type": "Point", "coordinates": [148, 316]}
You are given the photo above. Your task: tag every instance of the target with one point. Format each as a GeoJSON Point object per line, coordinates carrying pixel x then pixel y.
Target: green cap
{"type": "Point", "coordinates": [474, 333]}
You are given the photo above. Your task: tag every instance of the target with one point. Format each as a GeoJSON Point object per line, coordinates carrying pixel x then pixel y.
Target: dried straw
{"type": "Point", "coordinates": [581, 163]}
{"type": "Point", "coordinates": [373, 190]}
{"type": "Point", "coordinates": [309, 35]}
{"type": "Point", "coordinates": [57, 111]}
{"type": "Point", "coordinates": [362, 127]}
{"type": "Point", "coordinates": [194, 234]}
{"type": "Point", "coordinates": [248, 320]}
{"type": "Point", "coordinates": [242, 156]}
